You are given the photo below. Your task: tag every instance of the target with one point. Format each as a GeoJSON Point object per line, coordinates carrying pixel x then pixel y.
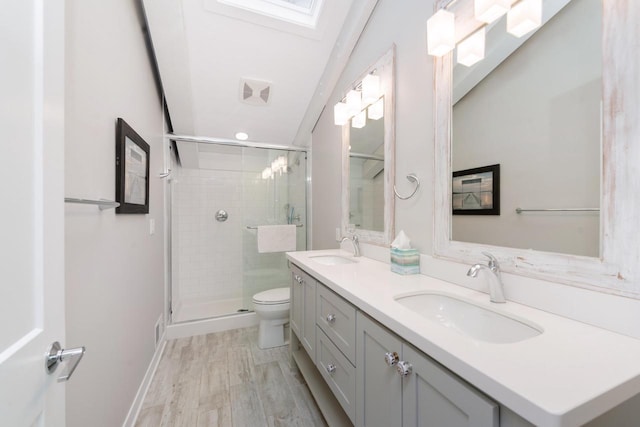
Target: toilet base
{"type": "Point", "coordinates": [271, 333]}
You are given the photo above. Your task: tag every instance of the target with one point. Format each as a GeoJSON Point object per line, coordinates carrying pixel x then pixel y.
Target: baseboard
{"type": "Point", "coordinates": [134, 411]}
{"type": "Point", "coordinates": [207, 326]}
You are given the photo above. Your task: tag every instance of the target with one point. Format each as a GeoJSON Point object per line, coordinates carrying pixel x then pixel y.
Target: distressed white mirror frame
{"type": "Point", "coordinates": [385, 67]}
{"type": "Point", "coordinates": [617, 270]}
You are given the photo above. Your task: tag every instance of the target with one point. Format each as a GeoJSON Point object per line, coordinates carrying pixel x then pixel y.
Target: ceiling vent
{"type": "Point", "coordinates": [255, 92]}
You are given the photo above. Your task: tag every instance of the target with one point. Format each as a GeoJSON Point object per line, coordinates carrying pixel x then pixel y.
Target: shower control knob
{"type": "Point", "coordinates": [391, 358]}
{"type": "Point", "coordinates": [404, 368]}
{"type": "Point", "coordinates": [331, 368]}
{"type": "Point", "coordinates": [222, 215]}
{"type": "Point", "coordinates": [331, 318]}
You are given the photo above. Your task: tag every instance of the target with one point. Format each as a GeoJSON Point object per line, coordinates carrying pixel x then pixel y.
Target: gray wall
{"type": "Point", "coordinates": [114, 267]}
{"type": "Point", "coordinates": [405, 26]}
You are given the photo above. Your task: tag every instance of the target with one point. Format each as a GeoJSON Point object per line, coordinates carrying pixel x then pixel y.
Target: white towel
{"type": "Point", "coordinates": [276, 238]}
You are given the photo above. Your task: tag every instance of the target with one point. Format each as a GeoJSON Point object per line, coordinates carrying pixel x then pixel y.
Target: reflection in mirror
{"type": "Point", "coordinates": [536, 111]}
{"type": "Point", "coordinates": [616, 269]}
{"type": "Point", "coordinates": [368, 159]}
{"type": "Point", "coordinates": [366, 176]}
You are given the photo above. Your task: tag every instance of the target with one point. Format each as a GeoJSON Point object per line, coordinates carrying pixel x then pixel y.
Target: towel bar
{"type": "Point", "coordinates": [252, 227]}
{"type": "Point", "coordinates": [102, 204]}
{"type": "Point", "coordinates": [520, 210]}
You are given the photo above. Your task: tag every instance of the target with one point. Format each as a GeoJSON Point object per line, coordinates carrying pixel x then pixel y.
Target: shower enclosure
{"type": "Point", "coordinates": [219, 194]}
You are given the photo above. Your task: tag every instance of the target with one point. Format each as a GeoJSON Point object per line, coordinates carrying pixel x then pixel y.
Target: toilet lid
{"type": "Point", "coordinates": [272, 296]}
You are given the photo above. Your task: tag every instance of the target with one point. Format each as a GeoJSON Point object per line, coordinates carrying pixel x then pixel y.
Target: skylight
{"type": "Point", "coordinates": [300, 12]}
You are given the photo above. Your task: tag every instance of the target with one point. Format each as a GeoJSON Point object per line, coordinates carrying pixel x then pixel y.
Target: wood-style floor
{"type": "Point", "coordinates": [224, 379]}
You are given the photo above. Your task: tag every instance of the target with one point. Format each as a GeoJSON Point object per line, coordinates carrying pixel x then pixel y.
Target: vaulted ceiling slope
{"type": "Point", "coordinates": [231, 66]}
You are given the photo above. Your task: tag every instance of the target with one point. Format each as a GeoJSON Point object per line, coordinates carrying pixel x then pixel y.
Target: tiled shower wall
{"type": "Point", "coordinates": [219, 260]}
{"type": "Point", "coordinates": [207, 254]}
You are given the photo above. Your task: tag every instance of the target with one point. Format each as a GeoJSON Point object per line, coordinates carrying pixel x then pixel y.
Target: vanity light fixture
{"type": "Point", "coordinates": [279, 166]}
{"type": "Point", "coordinates": [490, 10]}
{"type": "Point", "coordinates": [441, 38]}
{"type": "Point", "coordinates": [242, 136]}
{"type": "Point", "coordinates": [525, 16]}
{"type": "Point", "coordinates": [471, 49]}
{"type": "Point", "coordinates": [376, 110]}
{"type": "Point", "coordinates": [370, 89]}
{"type": "Point", "coordinates": [359, 120]}
{"type": "Point", "coordinates": [357, 101]}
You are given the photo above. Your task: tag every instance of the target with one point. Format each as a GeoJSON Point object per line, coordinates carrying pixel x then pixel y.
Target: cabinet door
{"type": "Point", "coordinates": [434, 397]}
{"type": "Point", "coordinates": [308, 332]}
{"type": "Point", "coordinates": [378, 385]}
{"type": "Point", "coordinates": [297, 302]}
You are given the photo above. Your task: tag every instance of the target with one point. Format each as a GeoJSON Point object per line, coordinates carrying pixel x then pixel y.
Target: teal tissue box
{"type": "Point", "coordinates": [405, 261]}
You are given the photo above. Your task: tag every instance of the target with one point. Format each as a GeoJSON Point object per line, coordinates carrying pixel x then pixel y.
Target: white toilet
{"type": "Point", "coordinates": [272, 308]}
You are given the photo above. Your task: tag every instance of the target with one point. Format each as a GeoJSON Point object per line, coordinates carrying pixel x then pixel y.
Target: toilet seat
{"type": "Point", "coordinates": [272, 296]}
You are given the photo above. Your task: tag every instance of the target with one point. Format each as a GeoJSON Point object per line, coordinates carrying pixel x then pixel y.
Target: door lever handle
{"type": "Point", "coordinates": [56, 355]}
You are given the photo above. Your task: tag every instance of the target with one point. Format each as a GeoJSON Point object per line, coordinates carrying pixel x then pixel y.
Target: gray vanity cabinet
{"type": "Point", "coordinates": [378, 385]}
{"type": "Point", "coordinates": [303, 309]}
{"type": "Point", "coordinates": [427, 396]}
{"type": "Point", "coordinates": [353, 368]}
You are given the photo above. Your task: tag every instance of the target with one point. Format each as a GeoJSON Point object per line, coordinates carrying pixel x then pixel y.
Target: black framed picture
{"type": "Point", "coordinates": [476, 191]}
{"type": "Point", "coordinates": [132, 170]}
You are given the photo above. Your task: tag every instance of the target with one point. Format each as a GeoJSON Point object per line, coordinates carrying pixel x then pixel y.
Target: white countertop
{"type": "Point", "coordinates": [566, 376]}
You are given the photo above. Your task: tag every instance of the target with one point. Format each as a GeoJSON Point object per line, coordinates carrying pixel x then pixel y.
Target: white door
{"type": "Point", "coordinates": [31, 209]}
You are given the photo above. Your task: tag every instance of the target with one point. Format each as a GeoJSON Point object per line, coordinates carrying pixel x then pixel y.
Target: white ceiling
{"type": "Point", "coordinates": [205, 47]}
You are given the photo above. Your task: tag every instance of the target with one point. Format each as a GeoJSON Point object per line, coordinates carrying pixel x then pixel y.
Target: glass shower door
{"type": "Point", "coordinates": [217, 192]}
{"type": "Point", "coordinates": [274, 190]}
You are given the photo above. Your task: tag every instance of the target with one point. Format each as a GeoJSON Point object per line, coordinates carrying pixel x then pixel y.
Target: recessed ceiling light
{"type": "Point", "coordinates": [242, 136]}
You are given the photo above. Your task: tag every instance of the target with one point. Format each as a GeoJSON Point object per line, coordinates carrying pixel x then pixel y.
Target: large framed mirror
{"type": "Point", "coordinates": [548, 108]}
{"type": "Point", "coordinates": [368, 159]}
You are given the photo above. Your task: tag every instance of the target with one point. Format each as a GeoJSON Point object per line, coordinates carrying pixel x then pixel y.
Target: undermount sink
{"type": "Point", "coordinates": [332, 259]}
{"type": "Point", "coordinates": [468, 318]}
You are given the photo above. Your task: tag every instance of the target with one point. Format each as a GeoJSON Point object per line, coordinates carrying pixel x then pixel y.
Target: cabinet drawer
{"type": "Point", "coordinates": [337, 318]}
{"type": "Point", "coordinates": [338, 372]}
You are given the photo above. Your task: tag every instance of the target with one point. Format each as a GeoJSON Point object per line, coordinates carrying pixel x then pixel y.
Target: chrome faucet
{"type": "Point", "coordinates": [496, 288]}
{"type": "Point", "coordinates": [355, 242]}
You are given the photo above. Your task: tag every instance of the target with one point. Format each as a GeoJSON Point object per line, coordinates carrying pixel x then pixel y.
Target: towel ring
{"type": "Point", "coordinates": [411, 178]}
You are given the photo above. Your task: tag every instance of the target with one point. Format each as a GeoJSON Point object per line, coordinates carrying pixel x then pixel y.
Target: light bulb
{"type": "Point", "coordinates": [441, 37]}
{"type": "Point", "coordinates": [340, 116]}
{"type": "Point", "coordinates": [490, 10]}
{"type": "Point", "coordinates": [354, 102]}
{"type": "Point", "coordinates": [242, 136]}
{"type": "Point", "coordinates": [524, 17]}
{"type": "Point", "coordinates": [359, 120]}
{"type": "Point", "coordinates": [376, 110]}
{"type": "Point", "coordinates": [471, 49]}
{"type": "Point", "coordinates": [370, 89]}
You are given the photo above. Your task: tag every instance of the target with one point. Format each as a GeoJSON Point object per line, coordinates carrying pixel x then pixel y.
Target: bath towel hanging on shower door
{"type": "Point", "coordinates": [276, 238]}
